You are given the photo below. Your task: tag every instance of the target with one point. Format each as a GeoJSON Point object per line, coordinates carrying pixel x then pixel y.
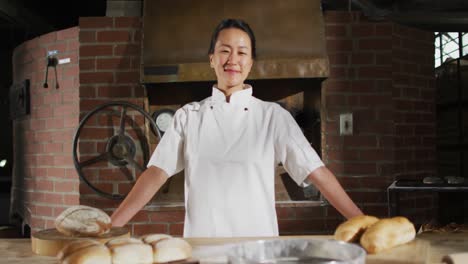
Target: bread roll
{"type": "Point", "coordinates": [131, 253]}
{"type": "Point", "coordinates": [75, 246]}
{"type": "Point", "coordinates": [351, 230]}
{"type": "Point", "coordinates": [95, 254]}
{"type": "Point", "coordinates": [83, 221]}
{"type": "Point", "coordinates": [123, 241]}
{"type": "Point", "coordinates": [154, 238]}
{"type": "Point", "coordinates": [388, 233]}
{"type": "Point", "coordinates": [171, 249]}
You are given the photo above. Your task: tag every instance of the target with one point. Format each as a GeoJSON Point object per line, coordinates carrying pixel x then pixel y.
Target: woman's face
{"type": "Point", "coordinates": [232, 58]}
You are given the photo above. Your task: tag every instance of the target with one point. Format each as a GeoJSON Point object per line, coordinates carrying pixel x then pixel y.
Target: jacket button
{"type": "Point", "coordinates": [246, 109]}
{"type": "Point", "coordinates": [211, 107]}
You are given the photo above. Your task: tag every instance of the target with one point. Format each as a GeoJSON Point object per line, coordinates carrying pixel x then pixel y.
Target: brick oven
{"type": "Point", "coordinates": [381, 72]}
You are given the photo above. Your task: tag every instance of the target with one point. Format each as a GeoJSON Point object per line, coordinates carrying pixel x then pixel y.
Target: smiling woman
{"type": "Point", "coordinates": [228, 146]}
{"type": "Point", "coordinates": [232, 60]}
{"type": "Point", "coordinates": [232, 51]}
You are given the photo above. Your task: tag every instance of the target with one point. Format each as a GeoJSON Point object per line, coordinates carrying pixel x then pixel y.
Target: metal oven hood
{"type": "Point", "coordinates": [290, 38]}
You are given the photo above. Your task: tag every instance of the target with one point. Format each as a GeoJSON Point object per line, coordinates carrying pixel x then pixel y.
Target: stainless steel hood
{"type": "Point", "coordinates": [290, 38]}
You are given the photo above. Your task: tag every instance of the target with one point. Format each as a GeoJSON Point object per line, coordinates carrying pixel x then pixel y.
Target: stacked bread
{"type": "Point", "coordinates": [84, 221]}
{"type": "Point", "coordinates": [153, 248]}
{"type": "Point", "coordinates": [374, 234]}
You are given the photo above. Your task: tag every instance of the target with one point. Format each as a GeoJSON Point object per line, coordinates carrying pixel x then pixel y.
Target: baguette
{"type": "Point", "coordinates": [351, 230]}
{"type": "Point", "coordinates": [83, 220]}
{"type": "Point", "coordinates": [388, 233]}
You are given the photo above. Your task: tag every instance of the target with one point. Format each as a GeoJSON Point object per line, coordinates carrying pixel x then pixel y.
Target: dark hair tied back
{"type": "Point", "coordinates": [233, 23]}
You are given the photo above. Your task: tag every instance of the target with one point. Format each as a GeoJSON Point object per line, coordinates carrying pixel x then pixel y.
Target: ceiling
{"type": "Point", "coordinates": [24, 19]}
{"type": "Point", "coordinates": [21, 20]}
{"type": "Point", "coordinates": [433, 15]}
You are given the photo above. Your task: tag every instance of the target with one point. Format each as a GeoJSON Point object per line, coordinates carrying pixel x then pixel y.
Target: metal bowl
{"type": "Point", "coordinates": [281, 251]}
{"type": "Point", "coordinates": [296, 251]}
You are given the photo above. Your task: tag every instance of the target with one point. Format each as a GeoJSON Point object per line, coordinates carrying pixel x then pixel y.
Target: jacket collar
{"type": "Point", "coordinates": [240, 97]}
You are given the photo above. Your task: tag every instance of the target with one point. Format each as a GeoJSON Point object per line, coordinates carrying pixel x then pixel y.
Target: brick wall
{"type": "Point", "coordinates": [44, 179]}
{"type": "Point", "coordinates": [382, 73]}
{"type": "Point", "coordinates": [414, 114]}
{"type": "Point", "coordinates": [360, 82]}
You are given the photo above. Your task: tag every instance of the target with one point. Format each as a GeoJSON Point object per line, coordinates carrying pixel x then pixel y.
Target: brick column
{"type": "Point", "coordinates": [360, 82]}
{"type": "Point", "coordinates": [414, 115]}
{"type": "Point", "coordinates": [44, 178]}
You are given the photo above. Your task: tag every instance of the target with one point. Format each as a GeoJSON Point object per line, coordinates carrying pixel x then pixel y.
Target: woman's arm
{"type": "Point", "coordinates": [149, 182]}
{"type": "Point", "coordinates": [329, 186]}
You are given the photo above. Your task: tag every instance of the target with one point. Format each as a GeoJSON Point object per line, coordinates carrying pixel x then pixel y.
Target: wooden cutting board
{"type": "Point", "coordinates": [49, 242]}
{"type": "Point", "coordinates": [414, 252]}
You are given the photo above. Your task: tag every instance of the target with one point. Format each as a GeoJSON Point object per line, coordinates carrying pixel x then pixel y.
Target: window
{"type": "Point", "coordinates": [449, 45]}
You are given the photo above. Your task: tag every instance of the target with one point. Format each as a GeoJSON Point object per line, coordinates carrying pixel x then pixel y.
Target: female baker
{"type": "Point", "coordinates": [229, 145]}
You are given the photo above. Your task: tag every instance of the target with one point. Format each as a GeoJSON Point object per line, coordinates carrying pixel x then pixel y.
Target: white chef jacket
{"type": "Point", "coordinates": [229, 152]}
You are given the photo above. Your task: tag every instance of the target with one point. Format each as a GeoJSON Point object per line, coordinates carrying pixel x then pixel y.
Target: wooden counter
{"type": "Point", "coordinates": [426, 248]}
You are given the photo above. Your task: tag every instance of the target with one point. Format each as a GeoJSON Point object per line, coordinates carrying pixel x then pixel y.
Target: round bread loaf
{"type": "Point", "coordinates": [83, 220]}
{"type": "Point", "coordinates": [388, 233]}
{"type": "Point", "coordinates": [351, 230]}
{"type": "Point", "coordinates": [171, 249]}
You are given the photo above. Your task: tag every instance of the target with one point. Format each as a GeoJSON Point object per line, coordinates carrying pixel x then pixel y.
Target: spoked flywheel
{"type": "Point", "coordinates": [113, 141]}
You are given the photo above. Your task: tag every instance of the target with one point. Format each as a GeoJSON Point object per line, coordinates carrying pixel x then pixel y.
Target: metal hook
{"type": "Point", "coordinates": [51, 62]}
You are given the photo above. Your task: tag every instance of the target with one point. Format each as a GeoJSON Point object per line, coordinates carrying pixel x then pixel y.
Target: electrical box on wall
{"type": "Point", "coordinates": [19, 100]}
{"type": "Point", "coordinates": [346, 124]}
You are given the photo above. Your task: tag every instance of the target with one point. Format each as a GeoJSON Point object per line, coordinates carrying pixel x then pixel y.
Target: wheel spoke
{"type": "Point", "coordinates": [128, 174]}
{"type": "Point", "coordinates": [134, 163]}
{"type": "Point", "coordinates": [122, 120]}
{"type": "Point", "coordinates": [102, 157]}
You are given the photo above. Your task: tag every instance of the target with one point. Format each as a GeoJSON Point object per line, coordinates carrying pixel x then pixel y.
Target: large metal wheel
{"type": "Point", "coordinates": [114, 142]}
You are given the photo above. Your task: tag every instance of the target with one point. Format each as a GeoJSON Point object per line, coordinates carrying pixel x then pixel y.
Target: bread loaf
{"type": "Point", "coordinates": [132, 252]}
{"type": "Point", "coordinates": [388, 233]}
{"type": "Point", "coordinates": [171, 249]}
{"type": "Point", "coordinates": [83, 221]}
{"type": "Point", "coordinates": [123, 241]}
{"type": "Point", "coordinates": [150, 238]}
{"type": "Point", "coordinates": [160, 249]}
{"type": "Point", "coordinates": [351, 230]}
{"type": "Point", "coordinates": [95, 254]}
